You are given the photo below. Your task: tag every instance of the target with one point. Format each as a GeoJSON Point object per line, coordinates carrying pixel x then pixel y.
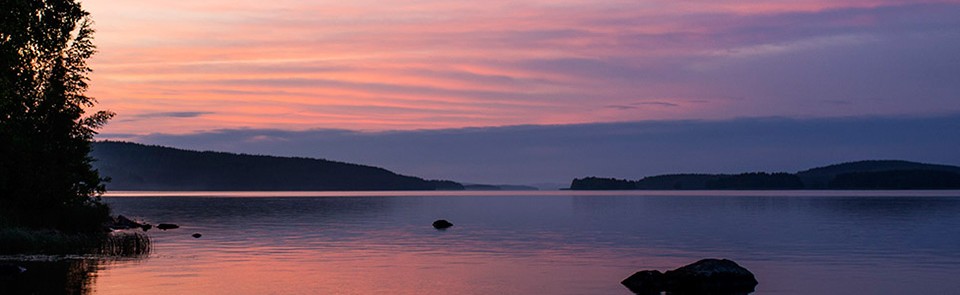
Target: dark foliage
{"type": "Point", "coordinates": [481, 187]}
{"type": "Point", "coordinates": [46, 178]}
{"type": "Point", "coordinates": [819, 178]}
{"type": "Point", "coordinates": [498, 187]}
{"type": "Point", "coordinates": [447, 185]}
{"type": "Point", "coordinates": [141, 167]}
{"type": "Point", "coordinates": [756, 181]}
{"type": "Point", "coordinates": [745, 181]}
{"type": "Point", "coordinates": [597, 183]}
{"type": "Point", "coordinates": [897, 179]}
{"type": "Point", "coordinates": [677, 182]}
{"type": "Point", "coordinates": [853, 175]}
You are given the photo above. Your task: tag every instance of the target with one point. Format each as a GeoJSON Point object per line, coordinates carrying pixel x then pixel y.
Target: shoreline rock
{"type": "Point", "coordinates": [166, 226]}
{"type": "Point", "coordinates": [123, 222]}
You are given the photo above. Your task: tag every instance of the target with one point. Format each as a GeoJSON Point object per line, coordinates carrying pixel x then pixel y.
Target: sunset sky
{"type": "Point", "coordinates": [190, 68]}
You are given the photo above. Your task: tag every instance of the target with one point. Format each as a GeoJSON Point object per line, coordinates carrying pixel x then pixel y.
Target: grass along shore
{"type": "Point", "coordinates": [20, 240]}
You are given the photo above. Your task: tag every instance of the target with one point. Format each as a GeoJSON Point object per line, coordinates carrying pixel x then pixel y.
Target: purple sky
{"type": "Point", "coordinates": [188, 73]}
{"type": "Point", "coordinates": [193, 66]}
{"type": "Point", "coordinates": [533, 154]}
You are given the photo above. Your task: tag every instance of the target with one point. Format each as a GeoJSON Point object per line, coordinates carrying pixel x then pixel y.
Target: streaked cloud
{"type": "Point", "coordinates": [172, 115]}
{"type": "Point", "coordinates": [798, 45]}
{"type": "Point", "coordinates": [643, 104]}
{"type": "Point", "coordinates": [374, 65]}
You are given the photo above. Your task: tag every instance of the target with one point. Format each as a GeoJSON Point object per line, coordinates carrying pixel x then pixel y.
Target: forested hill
{"type": "Point", "coordinates": [853, 175]}
{"type": "Point", "coordinates": [822, 177]}
{"type": "Point", "coordinates": [133, 166]}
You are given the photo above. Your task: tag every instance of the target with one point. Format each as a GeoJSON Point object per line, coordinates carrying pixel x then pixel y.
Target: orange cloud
{"type": "Point", "coordinates": [442, 64]}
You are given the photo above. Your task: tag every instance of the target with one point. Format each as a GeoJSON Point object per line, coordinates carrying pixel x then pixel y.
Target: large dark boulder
{"type": "Point", "coordinates": [711, 275]}
{"type": "Point", "coordinates": [707, 276]}
{"type": "Point", "coordinates": [645, 282]}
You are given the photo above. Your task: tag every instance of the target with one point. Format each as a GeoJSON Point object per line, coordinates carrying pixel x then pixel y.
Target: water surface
{"type": "Point", "coordinates": [536, 242]}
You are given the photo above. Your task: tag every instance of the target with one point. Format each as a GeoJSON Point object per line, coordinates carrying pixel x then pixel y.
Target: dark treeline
{"type": "Point", "coordinates": [132, 166]}
{"type": "Point", "coordinates": [599, 183]}
{"type": "Point", "coordinates": [757, 181]}
{"type": "Point", "coordinates": [854, 175]}
{"type": "Point", "coordinates": [897, 179]}
{"type": "Point", "coordinates": [46, 179]}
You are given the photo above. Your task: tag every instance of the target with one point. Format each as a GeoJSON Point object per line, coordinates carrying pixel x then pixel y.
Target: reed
{"type": "Point", "coordinates": [19, 240]}
{"type": "Point", "coordinates": [125, 244]}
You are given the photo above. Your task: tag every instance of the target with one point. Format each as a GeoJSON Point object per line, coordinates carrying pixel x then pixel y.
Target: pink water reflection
{"type": "Point", "coordinates": [360, 269]}
{"type": "Point", "coordinates": [544, 244]}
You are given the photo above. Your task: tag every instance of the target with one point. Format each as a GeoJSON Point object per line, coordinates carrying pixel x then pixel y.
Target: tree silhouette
{"type": "Point", "coordinates": [46, 178]}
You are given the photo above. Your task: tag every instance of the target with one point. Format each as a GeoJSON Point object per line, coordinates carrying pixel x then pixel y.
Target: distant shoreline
{"type": "Point", "coordinates": [860, 175]}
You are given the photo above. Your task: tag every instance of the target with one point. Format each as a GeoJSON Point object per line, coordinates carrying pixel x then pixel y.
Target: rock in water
{"type": "Point", "coordinates": [714, 275]}
{"type": "Point", "coordinates": [166, 226]}
{"type": "Point", "coordinates": [122, 222]}
{"type": "Point", "coordinates": [442, 224]}
{"type": "Point", "coordinates": [707, 276]}
{"type": "Point", "coordinates": [645, 282]}
{"type": "Point", "coordinates": [196, 235]}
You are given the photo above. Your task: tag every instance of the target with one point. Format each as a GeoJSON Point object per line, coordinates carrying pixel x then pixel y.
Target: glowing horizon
{"type": "Point", "coordinates": [184, 67]}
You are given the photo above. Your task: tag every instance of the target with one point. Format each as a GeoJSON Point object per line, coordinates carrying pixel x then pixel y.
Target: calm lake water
{"type": "Point", "coordinates": [534, 242]}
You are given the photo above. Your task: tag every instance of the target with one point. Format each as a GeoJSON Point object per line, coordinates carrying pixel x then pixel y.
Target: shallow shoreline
{"type": "Point", "coordinates": [27, 241]}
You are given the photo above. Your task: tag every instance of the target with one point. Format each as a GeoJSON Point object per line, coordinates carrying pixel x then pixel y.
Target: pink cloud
{"type": "Point", "coordinates": [446, 64]}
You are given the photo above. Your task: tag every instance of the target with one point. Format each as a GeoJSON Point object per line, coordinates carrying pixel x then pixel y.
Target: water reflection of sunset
{"type": "Point", "coordinates": [369, 271]}
{"type": "Point", "coordinates": [534, 244]}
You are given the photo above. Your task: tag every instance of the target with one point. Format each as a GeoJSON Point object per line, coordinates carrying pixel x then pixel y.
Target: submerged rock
{"type": "Point", "coordinates": [442, 224]}
{"type": "Point", "coordinates": [166, 226]}
{"type": "Point", "coordinates": [196, 235]}
{"type": "Point", "coordinates": [707, 276]}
